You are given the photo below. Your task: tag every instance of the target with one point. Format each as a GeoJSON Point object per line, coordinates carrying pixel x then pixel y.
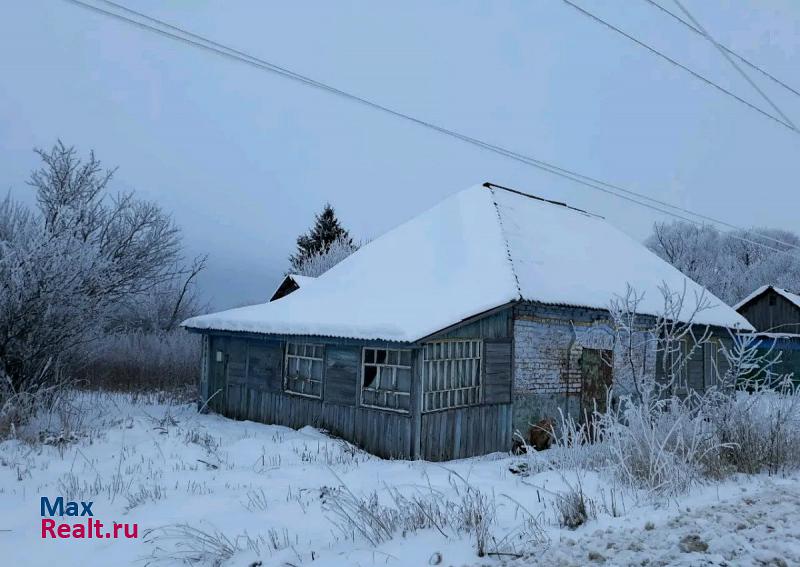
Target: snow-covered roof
{"type": "Point", "coordinates": [788, 295]}
{"type": "Point", "coordinates": [476, 250]}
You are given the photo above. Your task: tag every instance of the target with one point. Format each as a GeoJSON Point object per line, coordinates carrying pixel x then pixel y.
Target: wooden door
{"type": "Point", "coordinates": [596, 379]}
{"type": "Point", "coordinates": [217, 387]}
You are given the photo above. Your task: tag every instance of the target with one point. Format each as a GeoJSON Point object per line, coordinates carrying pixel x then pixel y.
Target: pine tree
{"type": "Point", "coordinates": [326, 230]}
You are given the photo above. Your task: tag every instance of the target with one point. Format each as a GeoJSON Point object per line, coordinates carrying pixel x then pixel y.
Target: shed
{"type": "Point", "coordinates": [772, 309]}
{"type": "Point", "coordinates": [445, 335]}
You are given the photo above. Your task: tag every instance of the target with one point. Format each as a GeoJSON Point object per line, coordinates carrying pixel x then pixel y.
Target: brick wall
{"type": "Point", "coordinates": [548, 342]}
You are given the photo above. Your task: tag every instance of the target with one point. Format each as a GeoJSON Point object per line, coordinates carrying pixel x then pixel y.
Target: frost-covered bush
{"type": "Point", "coordinates": [759, 430]}
{"type": "Point", "coordinates": [67, 265]}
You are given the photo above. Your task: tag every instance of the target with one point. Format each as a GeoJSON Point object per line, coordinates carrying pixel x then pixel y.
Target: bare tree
{"type": "Point", "coordinates": [65, 267]}
{"type": "Point", "coordinates": [672, 337]}
{"type": "Point", "coordinates": [729, 264]}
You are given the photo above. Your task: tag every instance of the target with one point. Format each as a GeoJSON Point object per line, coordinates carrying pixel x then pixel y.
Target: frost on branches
{"type": "Point", "coordinates": [729, 264]}
{"type": "Point", "coordinates": [660, 434]}
{"type": "Point", "coordinates": [66, 267]}
{"type": "Point", "coordinates": [326, 258]}
{"type": "Point", "coordinates": [326, 244]}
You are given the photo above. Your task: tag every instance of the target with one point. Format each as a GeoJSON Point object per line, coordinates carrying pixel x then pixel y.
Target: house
{"type": "Point", "coordinates": [440, 338]}
{"type": "Point", "coordinates": [771, 309]}
{"type": "Point", "coordinates": [289, 284]}
{"type": "Point", "coordinates": [775, 313]}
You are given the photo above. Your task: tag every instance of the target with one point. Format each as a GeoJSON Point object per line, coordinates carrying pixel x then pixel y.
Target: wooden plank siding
{"type": "Point", "coordinates": [492, 326]}
{"type": "Point", "coordinates": [771, 312]}
{"type": "Point", "coordinates": [250, 370]}
{"type": "Point", "coordinates": [465, 432]}
{"type": "Point", "coordinates": [251, 377]}
{"type": "Point", "coordinates": [497, 366]}
{"type": "Point", "coordinates": [462, 432]}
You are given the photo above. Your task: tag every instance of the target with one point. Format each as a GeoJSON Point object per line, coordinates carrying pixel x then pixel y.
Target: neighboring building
{"type": "Point", "coordinates": [775, 313]}
{"type": "Point", "coordinates": [771, 309]}
{"type": "Point", "coordinates": [289, 284]}
{"type": "Point", "coordinates": [446, 334]}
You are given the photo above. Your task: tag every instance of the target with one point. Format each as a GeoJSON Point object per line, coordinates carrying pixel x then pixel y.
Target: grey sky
{"type": "Point", "coordinates": [243, 158]}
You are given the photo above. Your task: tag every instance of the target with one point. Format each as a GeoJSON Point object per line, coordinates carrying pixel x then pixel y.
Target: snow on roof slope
{"type": "Point", "coordinates": [793, 297]}
{"type": "Point", "coordinates": [476, 250]}
{"type": "Point", "coordinates": [568, 257]}
{"type": "Point", "coordinates": [442, 266]}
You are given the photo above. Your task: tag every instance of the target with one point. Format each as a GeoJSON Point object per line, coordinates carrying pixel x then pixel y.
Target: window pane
{"type": "Point", "coordinates": [316, 370]}
{"type": "Point", "coordinates": [404, 402]}
{"type": "Point", "coordinates": [370, 372]}
{"type": "Point", "coordinates": [403, 379]}
{"type": "Point", "coordinates": [387, 378]}
{"type": "Point", "coordinates": [405, 358]}
{"type": "Point", "coordinates": [391, 357]}
{"type": "Point", "coordinates": [369, 355]}
{"type": "Point", "coordinates": [380, 356]}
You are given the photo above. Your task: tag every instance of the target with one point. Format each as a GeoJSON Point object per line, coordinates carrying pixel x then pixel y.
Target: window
{"type": "Point", "coordinates": [452, 374]}
{"type": "Point", "coordinates": [386, 379]}
{"type": "Point", "coordinates": [303, 373]}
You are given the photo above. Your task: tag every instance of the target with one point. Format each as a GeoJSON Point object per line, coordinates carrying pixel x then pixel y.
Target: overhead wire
{"type": "Point", "coordinates": [206, 44]}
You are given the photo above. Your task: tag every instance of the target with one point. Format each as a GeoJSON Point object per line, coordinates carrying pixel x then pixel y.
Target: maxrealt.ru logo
{"type": "Point", "coordinates": [87, 528]}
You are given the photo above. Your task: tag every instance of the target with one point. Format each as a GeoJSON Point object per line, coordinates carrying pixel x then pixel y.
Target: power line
{"type": "Point", "coordinates": [741, 58]}
{"type": "Point", "coordinates": [680, 65]}
{"type": "Point", "coordinates": [735, 65]}
{"type": "Point", "coordinates": [240, 56]}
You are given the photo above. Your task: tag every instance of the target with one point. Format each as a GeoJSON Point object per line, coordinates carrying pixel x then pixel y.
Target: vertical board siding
{"type": "Point", "coordinates": [465, 432]}
{"type": "Point", "coordinates": [497, 372]}
{"type": "Point", "coordinates": [342, 367]}
{"type": "Point", "coordinates": [265, 365]}
{"type": "Point", "coordinates": [251, 377]}
{"type": "Point", "coordinates": [782, 317]}
{"type": "Point", "coordinates": [494, 326]}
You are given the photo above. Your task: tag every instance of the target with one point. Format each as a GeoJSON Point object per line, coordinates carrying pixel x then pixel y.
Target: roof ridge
{"type": "Point", "coordinates": [505, 239]}
{"type": "Point", "coordinates": [491, 186]}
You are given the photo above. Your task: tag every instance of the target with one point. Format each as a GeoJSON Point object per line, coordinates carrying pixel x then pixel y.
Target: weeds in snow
{"type": "Point", "coordinates": [182, 543]}
{"type": "Point", "coordinates": [471, 512]}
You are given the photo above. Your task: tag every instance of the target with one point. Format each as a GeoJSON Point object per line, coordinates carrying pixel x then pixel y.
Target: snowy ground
{"type": "Point", "coordinates": [205, 488]}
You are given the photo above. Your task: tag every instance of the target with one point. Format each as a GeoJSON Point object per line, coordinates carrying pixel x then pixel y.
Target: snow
{"type": "Point", "coordinates": [567, 257]}
{"type": "Point", "coordinates": [301, 281]}
{"type": "Point", "coordinates": [479, 249]}
{"type": "Point", "coordinates": [788, 295]}
{"type": "Point", "coordinates": [268, 484]}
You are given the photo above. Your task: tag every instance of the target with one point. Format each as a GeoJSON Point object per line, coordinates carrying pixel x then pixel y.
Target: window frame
{"type": "Point", "coordinates": [409, 367]}
{"type": "Point", "coordinates": [312, 359]}
{"type": "Point", "coordinates": [429, 405]}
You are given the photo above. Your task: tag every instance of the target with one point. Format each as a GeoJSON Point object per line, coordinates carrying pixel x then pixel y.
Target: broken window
{"type": "Point", "coordinates": [304, 369]}
{"type": "Point", "coordinates": [386, 379]}
{"type": "Point", "coordinates": [452, 375]}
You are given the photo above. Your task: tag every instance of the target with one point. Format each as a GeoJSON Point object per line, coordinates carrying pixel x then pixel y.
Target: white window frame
{"type": "Point", "coordinates": [464, 359]}
{"type": "Point", "coordinates": [386, 392]}
{"type": "Point", "coordinates": [310, 361]}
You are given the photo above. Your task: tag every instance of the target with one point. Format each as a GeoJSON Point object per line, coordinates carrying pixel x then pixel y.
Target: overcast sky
{"type": "Point", "coordinates": [243, 158]}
